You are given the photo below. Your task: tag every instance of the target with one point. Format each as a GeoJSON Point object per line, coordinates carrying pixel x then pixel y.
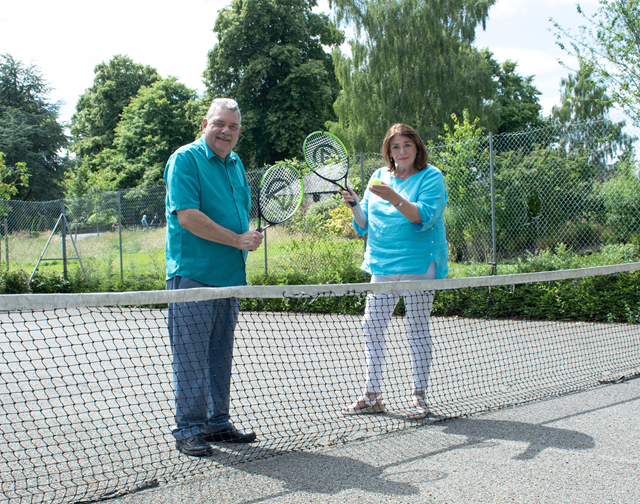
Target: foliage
{"type": "Point", "coordinates": [607, 47]}
{"type": "Point", "coordinates": [620, 196]}
{"type": "Point", "coordinates": [14, 282]}
{"type": "Point", "coordinates": [606, 298]}
{"type": "Point", "coordinates": [29, 131]}
{"type": "Point", "coordinates": [312, 216]}
{"type": "Point", "coordinates": [582, 98]}
{"type": "Point", "coordinates": [340, 223]}
{"type": "Point", "coordinates": [157, 121]}
{"type": "Point", "coordinates": [516, 99]}
{"type": "Point", "coordinates": [270, 58]}
{"type": "Point", "coordinates": [464, 163]}
{"type": "Point", "coordinates": [585, 101]}
{"type": "Point", "coordinates": [601, 298]}
{"type": "Point", "coordinates": [411, 62]}
{"type": "Point", "coordinates": [11, 178]}
{"type": "Point", "coordinates": [98, 110]}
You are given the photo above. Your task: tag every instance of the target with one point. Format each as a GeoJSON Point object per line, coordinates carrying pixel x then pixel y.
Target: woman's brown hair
{"type": "Point", "coordinates": [422, 156]}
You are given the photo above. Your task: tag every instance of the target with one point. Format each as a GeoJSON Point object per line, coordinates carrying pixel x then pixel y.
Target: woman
{"type": "Point", "coordinates": [402, 214]}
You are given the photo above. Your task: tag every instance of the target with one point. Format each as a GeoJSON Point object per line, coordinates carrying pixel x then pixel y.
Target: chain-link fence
{"type": "Point", "coordinates": [509, 194]}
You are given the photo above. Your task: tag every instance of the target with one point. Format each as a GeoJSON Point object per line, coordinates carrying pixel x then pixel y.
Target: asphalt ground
{"type": "Point", "coordinates": [87, 397]}
{"type": "Point", "coordinates": [578, 448]}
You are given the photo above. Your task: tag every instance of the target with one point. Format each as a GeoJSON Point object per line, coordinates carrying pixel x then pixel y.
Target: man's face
{"type": "Point", "coordinates": [221, 131]}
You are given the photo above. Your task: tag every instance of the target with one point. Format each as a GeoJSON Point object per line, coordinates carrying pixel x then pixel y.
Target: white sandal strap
{"type": "Point", "coordinates": [371, 402]}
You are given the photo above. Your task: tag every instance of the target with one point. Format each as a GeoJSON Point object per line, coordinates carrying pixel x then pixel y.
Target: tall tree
{"type": "Point", "coordinates": [29, 130]}
{"type": "Point", "coordinates": [99, 108]}
{"type": "Point", "coordinates": [608, 45]}
{"type": "Point", "coordinates": [411, 61]}
{"type": "Point", "coordinates": [582, 98]}
{"type": "Point", "coordinates": [270, 58]}
{"type": "Point", "coordinates": [156, 122]}
{"type": "Point", "coordinates": [517, 100]}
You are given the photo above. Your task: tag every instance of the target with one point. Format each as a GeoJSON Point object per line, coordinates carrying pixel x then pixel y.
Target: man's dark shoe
{"type": "Point", "coordinates": [194, 446]}
{"type": "Point", "coordinates": [230, 435]}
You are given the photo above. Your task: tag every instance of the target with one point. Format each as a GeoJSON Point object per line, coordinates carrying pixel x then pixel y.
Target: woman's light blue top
{"type": "Point", "coordinates": [394, 244]}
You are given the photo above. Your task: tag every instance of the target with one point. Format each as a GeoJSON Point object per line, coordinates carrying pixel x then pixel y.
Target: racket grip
{"type": "Point", "coordinates": [353, 203]}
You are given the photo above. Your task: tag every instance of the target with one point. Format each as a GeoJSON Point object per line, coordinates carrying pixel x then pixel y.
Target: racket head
{"type": "Point", "coordinates": [326, 155]}
{"type": "Point", "coordinates": [281, 193]}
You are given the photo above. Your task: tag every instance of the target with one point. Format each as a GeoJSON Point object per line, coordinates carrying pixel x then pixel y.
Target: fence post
{"type": "Point", "coordinates": [120, 234]}
{"type": "Point", "coordinates": [63, 230]}
{"type": "Point", "coordinates": [493, 207]}
{"type": "Point", "coordinates": [6, 240]}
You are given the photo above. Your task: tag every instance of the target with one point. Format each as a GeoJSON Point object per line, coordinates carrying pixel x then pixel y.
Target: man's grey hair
{"type": "Point", "coordinates": [224, 103]}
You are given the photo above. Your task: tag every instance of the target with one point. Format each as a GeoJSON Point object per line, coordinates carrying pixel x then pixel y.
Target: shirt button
{"type": "Point", "coordinates": [432, 242]}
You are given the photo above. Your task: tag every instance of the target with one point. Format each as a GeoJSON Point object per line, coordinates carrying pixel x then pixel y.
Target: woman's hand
{"type": "Point", "coordinates": [348, 196]}
{"type": "Point", "coordinates": [385, 192]}
{"type": "Point", "coordinates": [358, 214]}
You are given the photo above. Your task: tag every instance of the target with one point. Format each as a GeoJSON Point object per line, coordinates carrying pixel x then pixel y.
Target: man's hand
{"type": "Point", "coordinates": [199, 224]}
{"type": "Point", "coordinates": [250, 240]}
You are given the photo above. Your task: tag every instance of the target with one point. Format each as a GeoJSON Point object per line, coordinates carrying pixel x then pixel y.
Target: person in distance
{"type": "Point", "coordinates": [402, 215]}
{"type": "Point", "coordinates": [208, 238]}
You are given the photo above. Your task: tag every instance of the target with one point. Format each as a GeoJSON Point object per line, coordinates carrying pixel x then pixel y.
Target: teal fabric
{"type": "Point", "coordinates": [394, 244]}
{"type": "Point", "coordinates": [197, 178]}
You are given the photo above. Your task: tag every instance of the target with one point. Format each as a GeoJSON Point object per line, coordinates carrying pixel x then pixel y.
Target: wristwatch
{"type": "Point", "coordinates": [399, 204]}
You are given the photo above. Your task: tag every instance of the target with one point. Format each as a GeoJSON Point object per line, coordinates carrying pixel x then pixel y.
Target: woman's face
{"type": "Point", "coordinates": [403, 151]}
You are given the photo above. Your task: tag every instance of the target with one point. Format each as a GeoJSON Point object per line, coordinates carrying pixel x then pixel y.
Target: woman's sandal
{"type": "Point", "coordinates": [374, 405]}
{"type": "Point", "coordinates": [417, 412]}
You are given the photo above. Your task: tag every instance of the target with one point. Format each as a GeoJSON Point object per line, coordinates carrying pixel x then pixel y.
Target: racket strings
{"type": "Point", "coordinates": [326, 156]}
{"type": "Point", "coordinates": [280, 194]}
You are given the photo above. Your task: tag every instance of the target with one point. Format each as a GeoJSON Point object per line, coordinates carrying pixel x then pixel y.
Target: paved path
{"type": "Point", "coordinates": [579, 448]}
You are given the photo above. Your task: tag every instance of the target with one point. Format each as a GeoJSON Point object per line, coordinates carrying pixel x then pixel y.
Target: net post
{"type": "Point", "coordinates": [494, 258]}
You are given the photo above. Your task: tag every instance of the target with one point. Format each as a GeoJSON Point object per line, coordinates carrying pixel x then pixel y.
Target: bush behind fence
{"type": "Point", "coordinates": [509, 195]}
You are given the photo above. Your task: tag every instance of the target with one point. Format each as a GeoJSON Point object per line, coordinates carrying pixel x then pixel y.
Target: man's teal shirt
{"type": "Point", "coordinates": [198, 178]}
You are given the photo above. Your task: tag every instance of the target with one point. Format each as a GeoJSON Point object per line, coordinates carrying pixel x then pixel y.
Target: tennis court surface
{"type": "Point", "coordinates": [522, 407]}
{"type": "Point", "coordinates": [575, 449]}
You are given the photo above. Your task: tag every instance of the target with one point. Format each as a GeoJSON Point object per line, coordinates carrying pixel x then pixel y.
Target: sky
{"type": "Point", "coordinates": [66, 39]}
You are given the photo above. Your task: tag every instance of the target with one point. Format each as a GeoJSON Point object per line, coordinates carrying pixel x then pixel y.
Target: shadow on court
{"type": "Point", "coordinates": [344, 473]}
{"type": "Point", "coordinates": [538, 437]}
{"type": "Point", "coordinates": [350, 474]}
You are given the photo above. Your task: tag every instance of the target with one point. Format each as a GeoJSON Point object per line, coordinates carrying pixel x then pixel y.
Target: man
{"type": "Point", "coordinates": [208, 236]}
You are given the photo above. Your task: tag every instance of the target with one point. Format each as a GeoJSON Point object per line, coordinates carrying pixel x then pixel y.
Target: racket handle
{"type": "Point", "coordinates": [353, 203]}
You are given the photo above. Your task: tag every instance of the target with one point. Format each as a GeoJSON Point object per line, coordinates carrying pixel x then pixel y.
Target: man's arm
{"type": "Point", "coordinates": [199, 224]}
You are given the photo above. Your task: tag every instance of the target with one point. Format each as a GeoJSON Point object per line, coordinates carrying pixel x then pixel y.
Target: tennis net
{"type": "Point", "coordinates": [86, 379]}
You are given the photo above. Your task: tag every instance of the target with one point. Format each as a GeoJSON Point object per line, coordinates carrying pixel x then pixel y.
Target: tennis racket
{"type": "Point", "coordinates": [280, 194]}
{"type": "Point", "coordinates": [326, 156]}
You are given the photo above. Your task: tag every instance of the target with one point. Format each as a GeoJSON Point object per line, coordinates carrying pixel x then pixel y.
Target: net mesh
{"type": "Point", "coordinates": [281, 192]}
{"type": "Point", "coordinates": [86, 381]}
{"type": "Point", "coordinates": [326, 156]}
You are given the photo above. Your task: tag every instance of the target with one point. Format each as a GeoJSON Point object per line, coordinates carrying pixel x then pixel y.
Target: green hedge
{"type": "Point", "coordinates": [602, 298]}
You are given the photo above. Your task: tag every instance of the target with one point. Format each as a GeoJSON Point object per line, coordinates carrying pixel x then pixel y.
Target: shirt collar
{"type": "Point", "coordinates": [210, 154]}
